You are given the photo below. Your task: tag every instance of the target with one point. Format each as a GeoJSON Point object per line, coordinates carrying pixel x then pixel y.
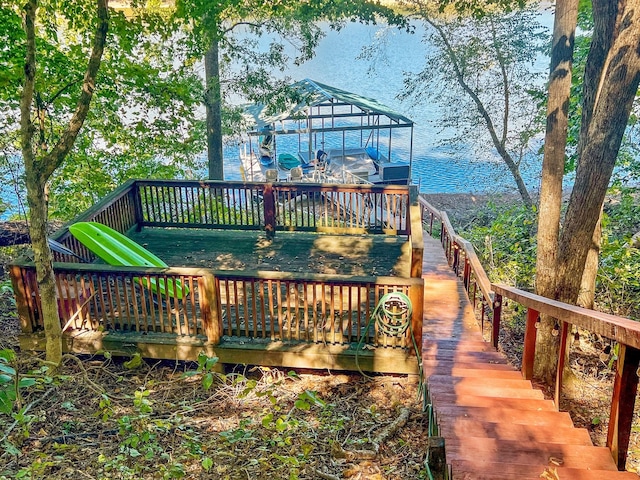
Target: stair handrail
{"type": "Point", "coordinates": [460, 253]}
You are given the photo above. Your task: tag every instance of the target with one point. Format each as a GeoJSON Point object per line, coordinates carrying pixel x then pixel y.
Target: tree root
{"type": "Point", "coordinates": [368, 454]}
{"type": "Point", "coordinates": [324, 476]}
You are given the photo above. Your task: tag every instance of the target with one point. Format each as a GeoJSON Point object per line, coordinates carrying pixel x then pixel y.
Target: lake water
{"type": "Point", "coordinates": [435, 168]}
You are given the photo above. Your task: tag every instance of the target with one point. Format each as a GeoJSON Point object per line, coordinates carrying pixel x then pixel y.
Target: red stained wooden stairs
{"type": "Point", "coordinates": [495, 424]}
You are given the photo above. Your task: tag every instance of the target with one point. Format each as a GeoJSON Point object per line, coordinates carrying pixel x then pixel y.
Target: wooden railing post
{"type": "Point", "coordinates": [466, 275]}
{"type": "Point", "coordinates": [137, 205]}
{"type": "Point", "coordinates": [495, 321]}
{"type": "Point", "coordinates": [529, 353]}
{"type": "Point", "coordinates": [416, 295]}
{"type": "Point", "coordinates": [210, 308]}
{"type": "Point", "coordinates": [562, 356]}
{"type": "Point", "coordinates": [625, 388]}
{"type": "Point", "coordinates": [415, 234]}
{"type": "Point", "coordinates": [269, 205]}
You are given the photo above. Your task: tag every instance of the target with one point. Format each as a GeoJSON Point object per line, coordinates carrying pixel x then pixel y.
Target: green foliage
{"type": "Point", "coordinates": [11, 383]}
{"type": "Point", "coordinates": [618, 282]}
{"type": "Point", "coordinates": [507, 245]}
{"type": "Point", "coordinates": [205, 368]}
{"type": "Point", "coordinates": [144, 118]}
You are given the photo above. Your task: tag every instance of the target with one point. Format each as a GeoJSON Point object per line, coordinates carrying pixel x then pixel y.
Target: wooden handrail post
{"type": "Point", "coordinates": [415, 235]}
{"type": "Point", "coordinates": [416, 295]}
{"type": "Point", "coordinates": [137, 205]}
{"type": "Point", "coordinates": [269, 205]}
{"type": "Point", "coordinates": [466, 275]}
{"type": "Point", "coordinates": [495, 324]}
{"type": "Point", "coordinates": [562, 356]}
{"type": "Point", "coordinates": [625, 388]}
{"type": "Point", "coordinates": [456, 258]}
{"type": "Point", "coordinates": [210, 308]}
{"type": "Point", "coordinates": [529, 353]}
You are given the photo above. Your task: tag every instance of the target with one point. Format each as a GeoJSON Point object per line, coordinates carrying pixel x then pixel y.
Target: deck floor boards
{"type": "Point", "coordinates": [495, 425]}
{"type": "Point", "coordinates": [249, 250]}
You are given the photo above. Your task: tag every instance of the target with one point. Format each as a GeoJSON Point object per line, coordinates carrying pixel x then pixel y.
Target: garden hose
{"type": "Point", "coordinates": [392, 317]}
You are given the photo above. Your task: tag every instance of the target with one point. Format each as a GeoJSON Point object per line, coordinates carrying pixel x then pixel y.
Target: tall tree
{"type": "Point", "coordinates": [41, 159]}
{"type": "Point", "coordinates": [228, 33]}
{"type": "Point", "coordinates": [80, 133]}
{"type": "Point", "coordinates": [612, 75]}
{"type": "Point", "coordinates": [553, 164]}
{"type": "Point", "coordinates": [482, 72]}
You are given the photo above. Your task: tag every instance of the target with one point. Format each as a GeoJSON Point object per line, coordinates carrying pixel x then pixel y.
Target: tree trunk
{"type": "Point", "coordinates": [605, 29]}
{"type": "Point", "coordinates": [44, 266]}
{"type": "Point", "coordinates": [38, 169]}
{"type": "Point", "coordinates": [619, 85]}
{"type": "Point", "coordinates": [586, 297]}
{"type": "Point", "coordinates": [213, 104]}
{"type": "Point", "coordinates": [565, 22]}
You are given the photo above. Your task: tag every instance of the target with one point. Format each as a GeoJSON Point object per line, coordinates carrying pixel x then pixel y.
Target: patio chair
{"type": "Point", "coordinates": [295, 174]}
{"type": "Point", "coordinates": [271, 175]}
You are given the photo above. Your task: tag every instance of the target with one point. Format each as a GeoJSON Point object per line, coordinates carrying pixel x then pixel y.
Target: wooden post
{"type": "Point", "coordinates": [416, 295]}
{"type": "Point", "coordinates": [466, 275]}
{"type": "Point", "coordinates": [416, 233]}
{"type": "Point", "coordinates": [269, 206]}
{"type": "Point", "coordinates": [562, 356]}
{"type": "Point", "coordinates": [209, 306]}
{"type": "Point", "coordinates": [436, 458]}
{"type": "Point", "coordinates": [529, 344]}
{"type": "Point", "coordinates": [495, 323]}
{"type": "Point", "coordinates": [625, 388]}
{"type": "Point", "coordinates": [137, 205]}
{"type": "Point", "coordinates": [22, 302]}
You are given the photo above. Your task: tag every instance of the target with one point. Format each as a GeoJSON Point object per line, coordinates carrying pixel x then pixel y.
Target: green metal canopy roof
{"type": "Point", "coordinates": [314, 94]}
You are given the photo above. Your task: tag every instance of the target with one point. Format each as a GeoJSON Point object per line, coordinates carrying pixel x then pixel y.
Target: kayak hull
{"type": "Point", "coordinates": [114, 248]}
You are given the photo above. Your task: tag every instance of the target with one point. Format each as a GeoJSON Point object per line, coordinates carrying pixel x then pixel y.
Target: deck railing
{"type": "Point", "coordinates": [261, 306]}
{"type": "Point", "coordinates": [625, 332]}
{"type": "Point", "coordinates": [349, 209]}
{"type": "Point", "coordinates": [279, 206]}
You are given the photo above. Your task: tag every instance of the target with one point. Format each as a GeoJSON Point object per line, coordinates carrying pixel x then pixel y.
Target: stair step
{"type": "Point", "coordinates": [479, 382]}
{"type": "Point", "coordinates": [450, 363]}
{"type": "Point", "coordinates": [446, 399]}
{"type": "Point", "coordinates": [507, 415]}
{"type": "Point", "coordinates": [430, 344]}
{"type": "Point", "coordinates": [485, 470]}
{"type": "Point", "coordinates": [465, 357]}
{"type": "Point", "coordinates": [528, 453]}
{"type": "Point", "coordinates": [457, 371]}
{"type": "Point", "coordinates": [452, 428]}
{"type": "Point", "coordinates": [486, 391]}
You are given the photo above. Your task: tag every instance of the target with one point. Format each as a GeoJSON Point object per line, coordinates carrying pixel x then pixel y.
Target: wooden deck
{"type": "Point", "coordinates": [495, 425]}
{"type": "Point", "coordinates": [249, 250]}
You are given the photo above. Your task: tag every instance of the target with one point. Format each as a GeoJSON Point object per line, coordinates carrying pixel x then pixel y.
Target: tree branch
{"type": "Point", "coordinates": [53, 159]}
{"type": "Point", "coordinates": [237, 24]}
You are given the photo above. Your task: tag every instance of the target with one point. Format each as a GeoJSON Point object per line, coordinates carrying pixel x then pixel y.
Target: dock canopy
{"type": "Point", "coordinates": [314, 94]}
